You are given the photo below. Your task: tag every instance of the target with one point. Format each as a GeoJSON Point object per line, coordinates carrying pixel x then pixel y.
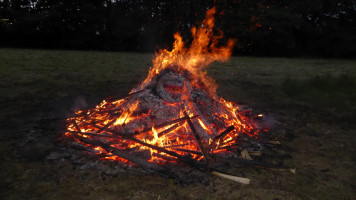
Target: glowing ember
{"type": "Point", "coordinates": [174, 112]}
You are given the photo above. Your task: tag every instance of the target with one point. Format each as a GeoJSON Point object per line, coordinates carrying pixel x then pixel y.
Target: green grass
{"type": "Point", "coordinates": [326, 90]}
{"type": "Point", "coordinates": [304, 95]}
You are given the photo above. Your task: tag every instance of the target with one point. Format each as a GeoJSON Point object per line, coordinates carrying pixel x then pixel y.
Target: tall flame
{"type": "Point", "coordinates": [202, 51]}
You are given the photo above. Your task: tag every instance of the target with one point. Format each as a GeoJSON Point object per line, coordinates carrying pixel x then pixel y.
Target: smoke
{"type": "Point", "coordinates": [79, 104]}
{"type": "Point", "coordinates": [266, 122]}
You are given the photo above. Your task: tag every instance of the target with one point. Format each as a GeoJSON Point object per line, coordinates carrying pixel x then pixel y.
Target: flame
{"type": "Point", "coordinates": [112, 117]}
{"type": "Point", "coordinates": [203, 51]}
{"type": "Point", "coordinates": [124, 117]}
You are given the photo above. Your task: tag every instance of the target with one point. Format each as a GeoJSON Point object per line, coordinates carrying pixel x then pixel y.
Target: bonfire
{"type": "Point", "coordinates": [174, 116]}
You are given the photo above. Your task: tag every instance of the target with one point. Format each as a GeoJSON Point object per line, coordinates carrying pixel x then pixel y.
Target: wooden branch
{"type": "Point", "coordinates": [130, 94]}
{"type": "Point", "coordinates": [175, 146]}
{"type": "Point", "coordinates": [220, 136]}
{"type": "Point", "coordinates": [163, 157]}
{"type": "Point", "coordinates": [189, 151]}
{"type": "Point", "coordinates": [160, 134]}
{"type": "Point", "coordinates": [230, 177]}
{"type": "Point", "coordinates": [106, 126]}
{"type": "Point", "coordinates": [197, 137]}
{"type": "Point", "coordinates": [166, 124]}
{"type": "Point", "coordinates": [95, 135]}
{"type": "Point", "coordinates": [152, 167]}
{"type": "Point", "coordinates": [185, 159]}
{"type": "Point", "coordinates": [140, 162]}
{"type": "Point", "coordinates": [76, 125]}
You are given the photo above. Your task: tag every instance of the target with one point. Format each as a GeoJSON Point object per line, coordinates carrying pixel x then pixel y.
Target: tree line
{"type": "Point", "coordinates": [318, 28]}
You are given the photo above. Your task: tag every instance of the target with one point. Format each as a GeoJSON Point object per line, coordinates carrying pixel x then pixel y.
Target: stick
{"type": "Point", "coordinates": [107, 125]}
{"type": "Point", "coordinates": [140, 162]}
{"type": "Point", "coordinates": [165, 124]}
{"type": "Point", "coordinates": [95, 135]}
{"type": "Point", "coordinates": [197, 137]}
{"type": "Point", "coordinates": [220, 136]}
{"type": "Point", "coordinates": [163, 157]}
{"type": "Point", "coordinates": [189, 151]}
{"type": "Point", "coordinates": [230, 177]}
{"type": "Point", "coordinates": [76, 125]}
{"type": "Point", "coordinates": [160, 134]}
{"type": "Point", "coordinates": [187, 160]}
{"type": "Point", "coordinates": [175, 145]}
{"type": "Point", "coordinates": [133, 93]}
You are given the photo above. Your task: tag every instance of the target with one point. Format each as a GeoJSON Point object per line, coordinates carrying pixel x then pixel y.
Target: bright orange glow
{"type": "Point", "coordinates": [203, 51]}
{"type": "Point", "coordinates": [125, 116]}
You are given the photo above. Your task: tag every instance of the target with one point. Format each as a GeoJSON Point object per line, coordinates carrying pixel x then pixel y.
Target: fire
{"type": "Point", "coordinates": [203, 51]}
{"type": "Point", "coordinates": [187, 119]}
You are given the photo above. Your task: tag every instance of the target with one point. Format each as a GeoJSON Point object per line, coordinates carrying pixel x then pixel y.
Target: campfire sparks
{"type": "Point", "coordinates": [174, 115]}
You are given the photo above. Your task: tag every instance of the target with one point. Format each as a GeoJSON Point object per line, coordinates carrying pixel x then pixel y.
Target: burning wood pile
{"type": "Point", "coordinates": [174, 117]}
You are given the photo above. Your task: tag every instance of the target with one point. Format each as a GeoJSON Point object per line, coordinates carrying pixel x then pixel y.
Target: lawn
{"type": "Point", "coordinates": [312, 100]}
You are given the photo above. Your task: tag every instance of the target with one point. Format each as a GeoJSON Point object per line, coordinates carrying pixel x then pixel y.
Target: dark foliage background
{"type": "Point", "coordinates": [317, 28]}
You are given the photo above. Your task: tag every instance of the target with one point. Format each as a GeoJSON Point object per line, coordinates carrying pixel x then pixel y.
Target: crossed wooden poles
{"type": "Point", "coordinates": [152, 167]}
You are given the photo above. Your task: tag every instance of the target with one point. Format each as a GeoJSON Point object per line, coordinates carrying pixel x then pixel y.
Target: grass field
{"type": "Point", "coordinates": [312, 99]}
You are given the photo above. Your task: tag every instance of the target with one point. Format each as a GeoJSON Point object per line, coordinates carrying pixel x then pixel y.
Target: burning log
{"type": "Point", "coordinates": [76, 125]}
{"type": "Point", "coordinates": [189, 151]}
{"type": "Point", "coordinates": [187, 160]}
{"type": "Point", "coordinates": [134, 159]}
{"type": "Point", "coordinates": [197, 138]}
{"type": "Point", "coordinates": [170, 129]}
{"type": "Point", "coordinates": [220, 136]}
{"type": "Point", "coordinates": [183, 159]}
{"type": "Point", "coordinates": [106, 126]}
{"type": "Point", "coordinates": [165, 124]}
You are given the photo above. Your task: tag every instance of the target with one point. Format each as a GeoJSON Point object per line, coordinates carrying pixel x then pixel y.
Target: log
{"type": "Point", "coordinates": [163, 157]}
{"type": "Point", "coordinates": [160, 134]}
{"type": "Point", "coordinates": [140, 162]}
{"type": "Point", "coordinates": [189, 151]}
{"type": "Point", "coordinates": [220, 136]}
{"type": "Point", "coordinates": [76, 125]}
{"type": "Point", "coordinates": [175, 146]}
{"type": "Point", "coordinates": [106, 126]}
{"type": "Point", "coordinates": [150, 166]}
{"type": "Point", "coordinates": [184, 159]}
{"type": "Point", "coordinates": [95, 135]}
{"type": "Point", "coordinates": [166, 124]}
{"type": "Point", "coordinates": [197, 138]}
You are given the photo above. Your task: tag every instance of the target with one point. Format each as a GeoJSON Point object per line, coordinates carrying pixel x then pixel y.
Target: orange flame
{"type": "Point", "coordinates": [203, 51]}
